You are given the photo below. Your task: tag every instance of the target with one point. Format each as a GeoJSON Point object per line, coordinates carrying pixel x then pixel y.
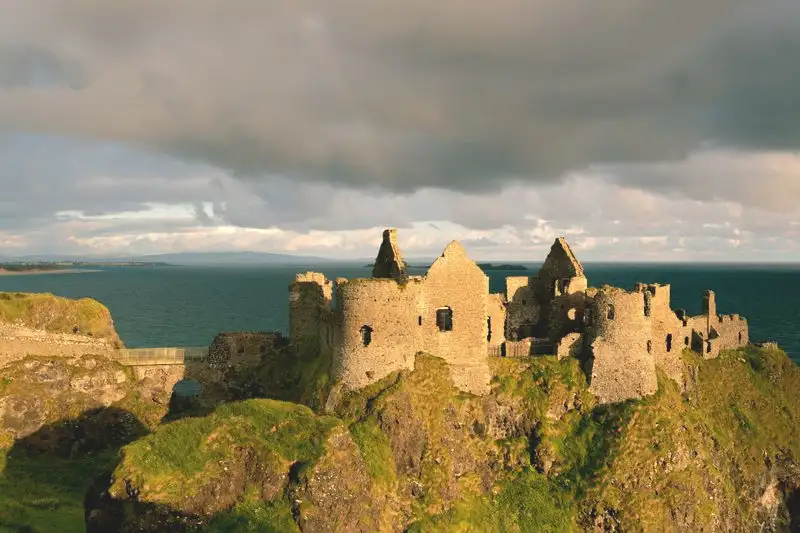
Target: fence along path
{"type": "Point", "coordinates": [160, 356]}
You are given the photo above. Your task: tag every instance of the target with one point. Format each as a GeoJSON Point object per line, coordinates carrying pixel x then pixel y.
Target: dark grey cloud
{"type": "Point", "coordinates": [407, 94]}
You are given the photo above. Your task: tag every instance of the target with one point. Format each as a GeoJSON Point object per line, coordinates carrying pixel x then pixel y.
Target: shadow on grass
{"type": "Point", "coordinates": [45, 476]}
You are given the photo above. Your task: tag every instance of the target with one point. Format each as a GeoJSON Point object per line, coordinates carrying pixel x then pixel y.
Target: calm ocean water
{"type": "Point", "coordinates": [184, 306]}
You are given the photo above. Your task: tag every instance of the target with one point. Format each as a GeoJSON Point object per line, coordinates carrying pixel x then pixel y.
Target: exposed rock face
{"type": "Point", "coordinates": [17, 342]}
{"type": "Point", "coordinates": [337, 495]}
{"type": "Point", "coordinates": [37, 391]}
{"type": "Point", "coordinates": [415, 455]}
{"type": "Point", "coordinates": [51, 326]}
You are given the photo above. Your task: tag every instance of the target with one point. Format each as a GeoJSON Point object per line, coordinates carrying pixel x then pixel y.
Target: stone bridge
{"type": "Point", "coordinates": [161, 356]}
{"type": "Point", "coordinates": [166, 367]}
{"type": "Point", "coordinates": [190, 366]}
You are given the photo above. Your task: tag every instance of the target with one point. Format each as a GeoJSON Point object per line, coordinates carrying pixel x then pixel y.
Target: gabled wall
{"type": "Point", "coordinates": [456, 281]}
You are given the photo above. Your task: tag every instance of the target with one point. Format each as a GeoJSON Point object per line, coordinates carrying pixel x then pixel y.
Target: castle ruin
{"type": "Point", "coordinates": [371, 327]}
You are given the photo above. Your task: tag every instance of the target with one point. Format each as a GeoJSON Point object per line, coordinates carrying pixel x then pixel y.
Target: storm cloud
{"type": "Point", "coordinates": [631, 126]}
{"type": "Point", "coordinates": [406, 94]}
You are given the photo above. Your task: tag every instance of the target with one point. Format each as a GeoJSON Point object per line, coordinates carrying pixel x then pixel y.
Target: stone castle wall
{"type": "Point", "coordinates": [310, 299]}
{"type": "Point", "coordinates": [391, 312]}
{"type": "Point", "coordinates": [378, 325]}
{"type": "Point", "coordinates": [456, 282]}
{"type": "Point", "coordinates": [496, 319]}
{"type": "Point", "coordinates": [17, 342]}
{"type": "Point", "coordinates": [523, 308]}
{"type": "Point", "coordinates": [669, 335]}
{"type": "Point", "coordinates": [619, 338]}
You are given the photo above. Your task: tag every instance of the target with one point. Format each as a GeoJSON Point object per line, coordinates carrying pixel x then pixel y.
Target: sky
{"type": "Point", "coordinates": [641, 130]}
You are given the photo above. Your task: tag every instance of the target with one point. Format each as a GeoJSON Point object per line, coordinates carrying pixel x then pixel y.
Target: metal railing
{"type": "Point", "coordinates": [161, 356]}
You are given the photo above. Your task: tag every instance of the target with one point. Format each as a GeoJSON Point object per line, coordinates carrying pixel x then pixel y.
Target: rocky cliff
{"type": "Point", "coordinates": [47, 325]}
{"type": "Point", "coordinates": [411, 453]}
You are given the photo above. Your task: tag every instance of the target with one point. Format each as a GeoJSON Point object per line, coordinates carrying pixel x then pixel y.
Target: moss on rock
{"type": "Point", "coordinates": [55, 314]}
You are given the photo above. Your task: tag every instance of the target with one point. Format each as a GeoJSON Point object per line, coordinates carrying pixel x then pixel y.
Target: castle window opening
{"type": "Point", "coordinates": [708, 346]}
{"type": "Point", "coordinates": [419, 320]}
{"type": "Point", "coordinates": [444, 319]}
{"type": "Point", "coordinates": [611, 312]}
{"type": "Point", "coordinates": [649, 346]}
{"type": "Point", "coordinates": [686, 341]}
{"type": "Point", "coordinates": [523, 301]}
{"type": "Point", "coordinates": [669, 342]}
{"type": "Point", "coordinates": [366, 335]}
{"type": "Point", "coordinates": [564, 286]}
{"type": "Point", "coordinates": [572, 314]}
{"type": "Point", "coordinates": [740, 337]}
{"type": "Point", "coordinates": [488, 328]}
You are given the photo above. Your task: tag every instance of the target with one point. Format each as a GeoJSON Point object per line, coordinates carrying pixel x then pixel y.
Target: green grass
{"type": "Point", "coordinates": [528, 502]}
{"type": "Point", "coordinates": [256, 516]}
{"type": "Point", "coordinates": [179, 458]}
{"type": "Point", "coordinates": [58, 315]}
{"type": "Point", "coordinates": [714, 440]}
{"type": "Point", "coordinates": [45, 494]}
{"type": "Point", "coordinates": [376, 452]}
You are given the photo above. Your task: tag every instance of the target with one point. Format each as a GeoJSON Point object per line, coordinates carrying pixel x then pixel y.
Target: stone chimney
{"type": "Point", "coordinates": [389, 263]}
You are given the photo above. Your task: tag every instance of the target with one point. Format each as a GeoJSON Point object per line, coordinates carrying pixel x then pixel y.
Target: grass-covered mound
{"type": "Point", "coordinates": [263, 464]}
{"type": "Point", "coordinates": [58, 315]}
{"type": "Point", "coordinates": [187, 461]}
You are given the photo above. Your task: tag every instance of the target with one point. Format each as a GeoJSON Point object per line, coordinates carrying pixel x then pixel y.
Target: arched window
{"type": "Point", "coordinates": [444, 319]}
{"type": "Point", "coordinates": [366, 335]}
{"type": "Point", "coordinates": [669, 342]}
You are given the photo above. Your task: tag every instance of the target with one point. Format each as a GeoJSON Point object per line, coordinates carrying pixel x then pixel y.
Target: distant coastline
{"type": "Point", "coordinates": [39, 272]}
{"type": "Point", "coordinates": [505, 266]}
{"type": "Point", "coordinates": [33, 269]}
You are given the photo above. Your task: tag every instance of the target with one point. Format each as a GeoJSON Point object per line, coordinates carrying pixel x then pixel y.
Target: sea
{"type": "Point", "coordinates": [188, 305]}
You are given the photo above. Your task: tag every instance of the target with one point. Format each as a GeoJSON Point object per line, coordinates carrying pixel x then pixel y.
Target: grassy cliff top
{"type": "Point", "coordinates": [57, 315]}
{"type": "Point", "coordinates": [537, 454]}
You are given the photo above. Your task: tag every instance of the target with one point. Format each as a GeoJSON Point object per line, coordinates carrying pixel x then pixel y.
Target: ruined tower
{"type": "Point", "coordinates": [310, 314]}
{"type": "Point", "coordinates": [389, 263]}
{"type": "Point", "coordinates": [709, 309]}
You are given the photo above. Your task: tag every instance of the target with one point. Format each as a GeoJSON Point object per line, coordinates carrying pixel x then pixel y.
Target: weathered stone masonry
{"type": "Point", "coordinates": [374, 326]}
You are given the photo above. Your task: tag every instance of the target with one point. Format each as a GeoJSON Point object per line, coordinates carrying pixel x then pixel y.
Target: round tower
{"type": "Point", "coordinates": [619, 338]}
